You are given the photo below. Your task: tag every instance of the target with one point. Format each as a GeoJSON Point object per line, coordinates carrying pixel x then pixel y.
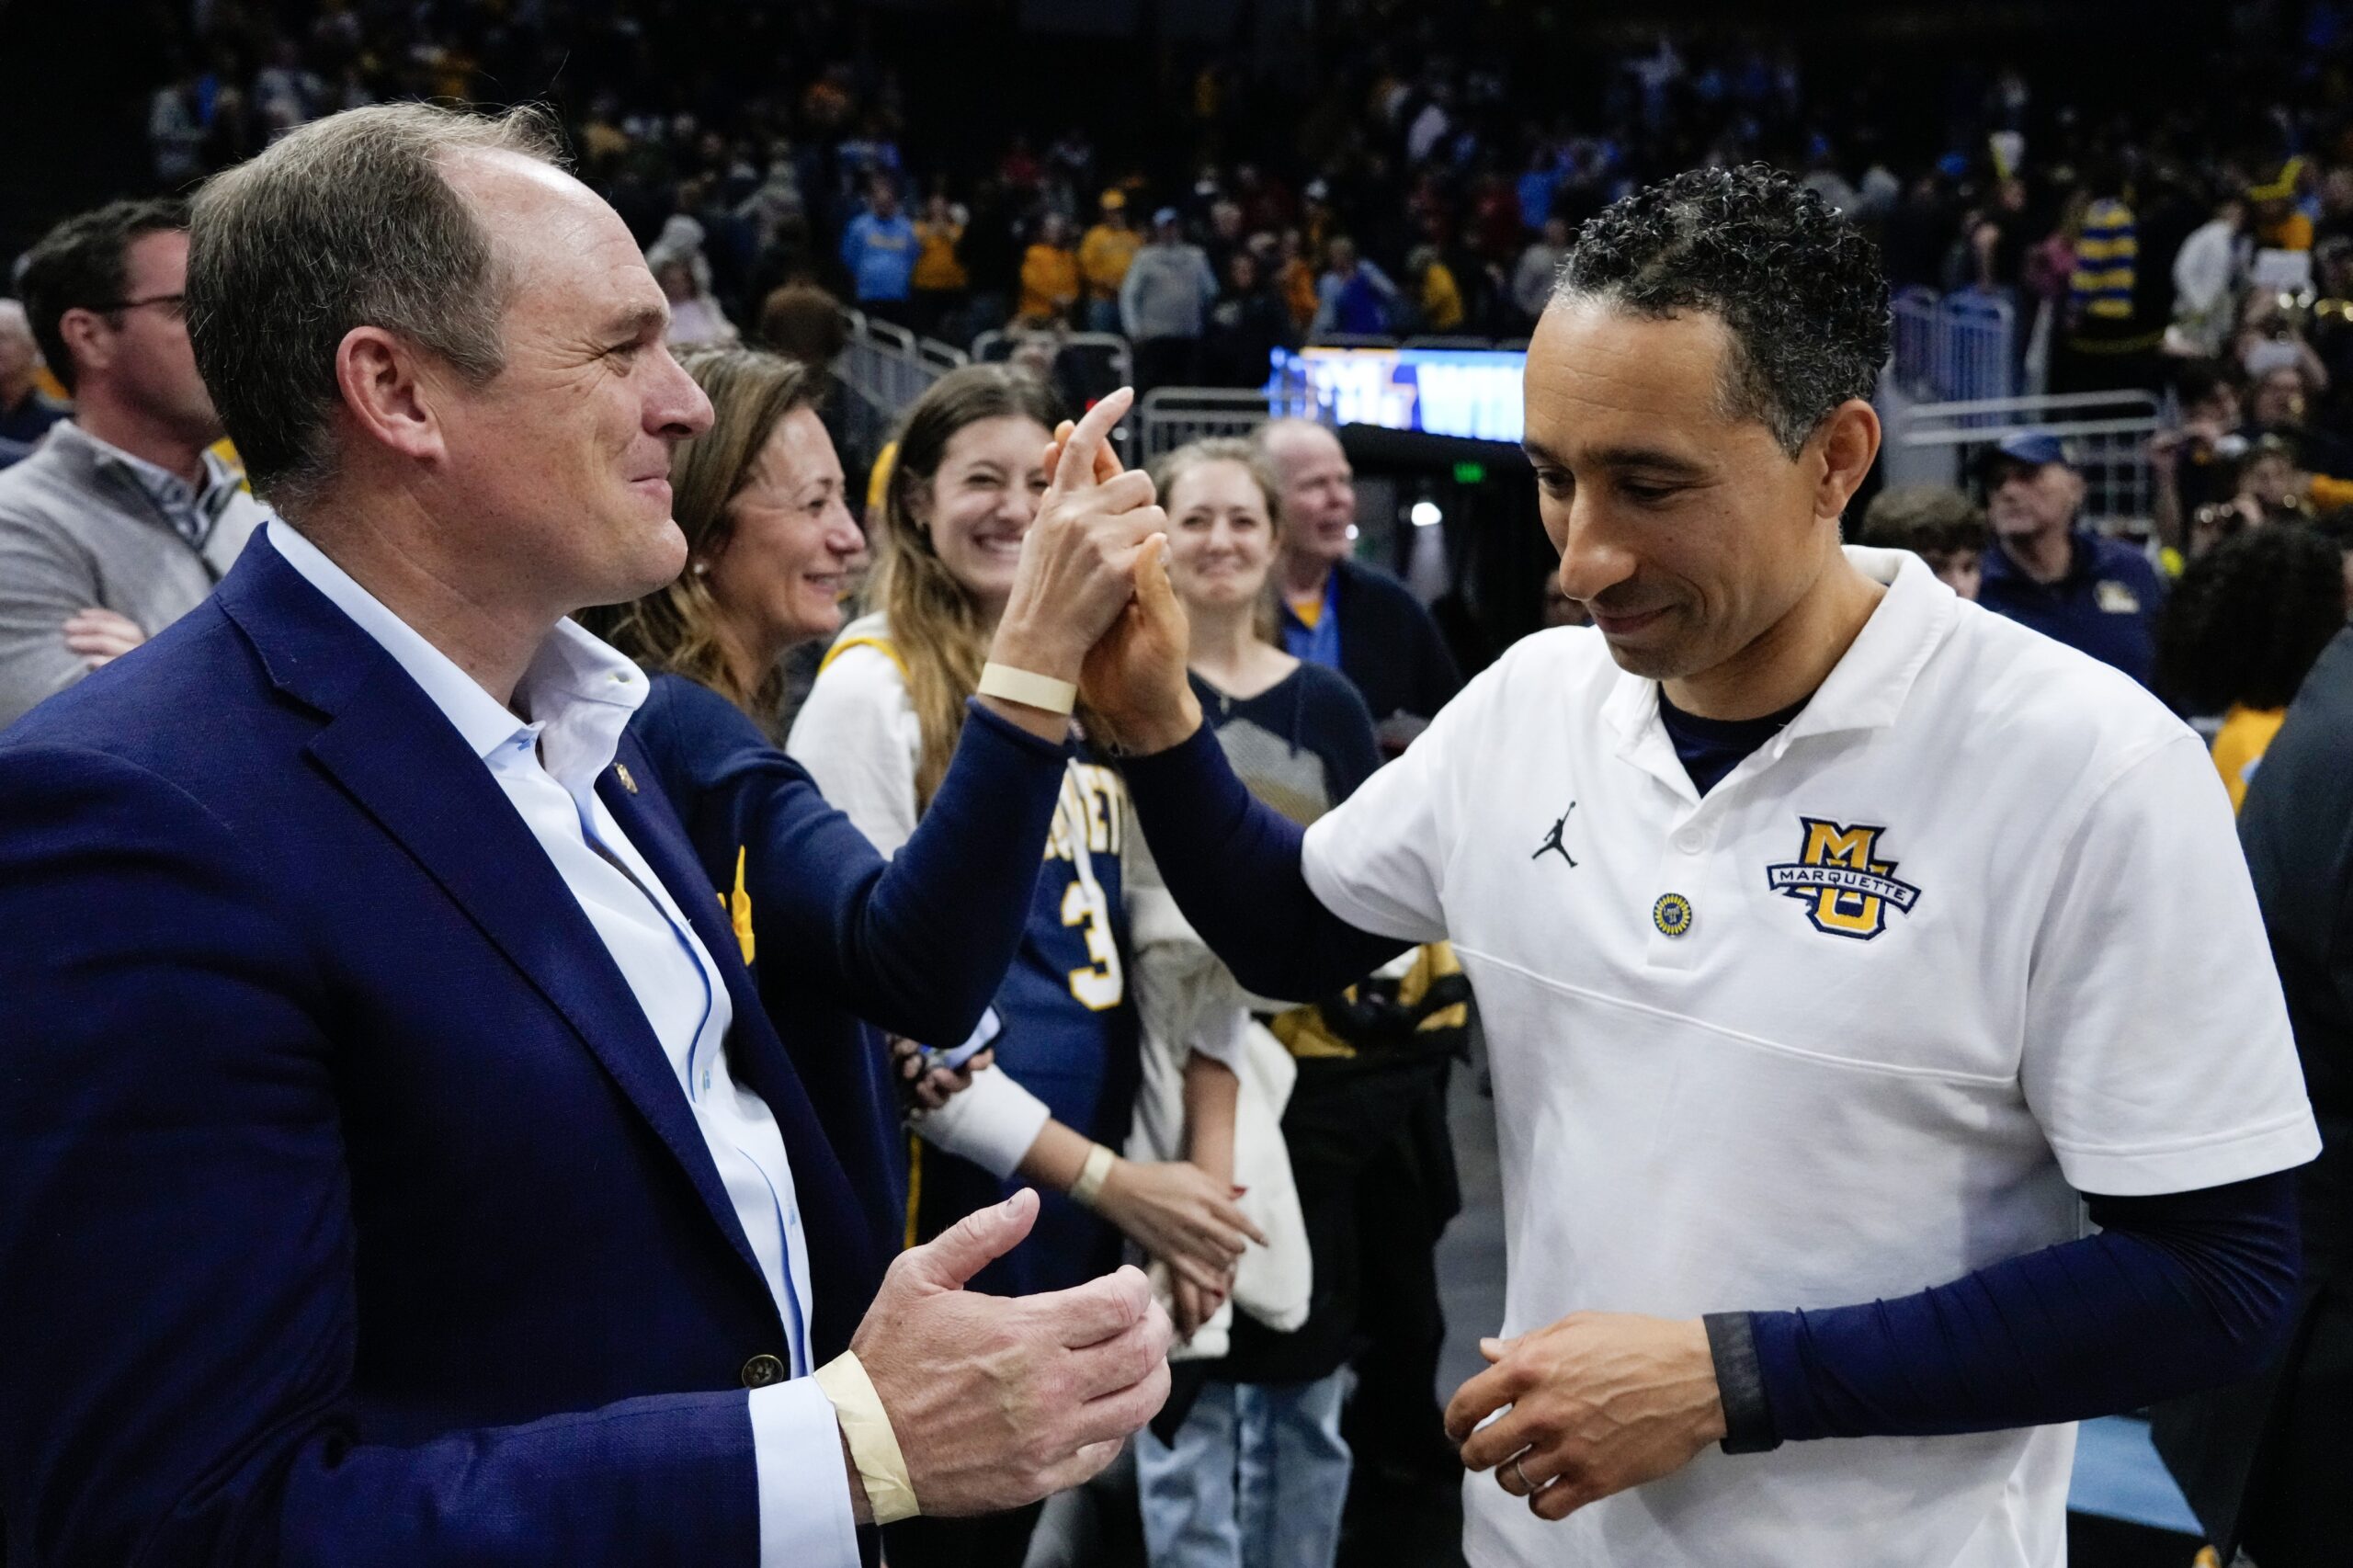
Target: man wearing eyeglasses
{"type": "Point", "coordinates": [121, 519]}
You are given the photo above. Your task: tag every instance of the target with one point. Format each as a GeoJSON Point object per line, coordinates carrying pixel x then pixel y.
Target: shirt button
{"type": "Point", "coordinates": [761, 1370]}
{"type": "Point", "coordinates": [1690, 841]}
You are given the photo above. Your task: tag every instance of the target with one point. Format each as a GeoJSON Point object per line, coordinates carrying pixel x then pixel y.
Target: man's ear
{"type": "Point", "coordinates": [1849, 440]}
{"type": "Point", "coordinates": [87, 339]}
{"type": "Point", "coordinates": [389, 394]}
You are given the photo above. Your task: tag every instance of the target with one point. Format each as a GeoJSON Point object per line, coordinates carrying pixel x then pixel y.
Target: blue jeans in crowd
{"type": "Point", "coordinates": [1257, 1478]}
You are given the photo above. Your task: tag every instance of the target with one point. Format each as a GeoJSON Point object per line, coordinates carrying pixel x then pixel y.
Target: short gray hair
{"type": "Point", "coordinates": [349, 221]}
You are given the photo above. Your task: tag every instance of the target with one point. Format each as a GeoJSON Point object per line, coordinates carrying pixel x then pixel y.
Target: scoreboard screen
{"type": "Point", "coordinates": [1472, 394]}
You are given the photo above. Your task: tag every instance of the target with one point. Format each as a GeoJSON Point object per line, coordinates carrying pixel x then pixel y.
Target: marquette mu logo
{"type": "Point", "coordinates": [1845, 889]}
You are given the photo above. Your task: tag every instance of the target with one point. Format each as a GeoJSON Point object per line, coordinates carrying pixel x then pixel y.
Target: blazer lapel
{"type": "Point", "coordinates": [400, 759]}
{"type": "Point", "coordinates": [843, 1271]}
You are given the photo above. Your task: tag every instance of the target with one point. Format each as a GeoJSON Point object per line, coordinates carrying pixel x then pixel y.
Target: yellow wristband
{"type": "Point", "coordinates": [1089, 1184]}
{"type": "Point", "coordinates": [1028, 689]}
{"type": "Point", "coordinates": [873, 1447]}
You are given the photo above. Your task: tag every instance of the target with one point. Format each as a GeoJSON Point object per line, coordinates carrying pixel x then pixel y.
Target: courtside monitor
{"type": "Point", "coordinates": [1472, 394]}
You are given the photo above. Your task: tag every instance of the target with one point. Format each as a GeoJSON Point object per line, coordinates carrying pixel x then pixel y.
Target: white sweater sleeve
{"type": "Point", "coordinates": [992, 1123]}
{"type": "Point", "coordinates": [857, 736]}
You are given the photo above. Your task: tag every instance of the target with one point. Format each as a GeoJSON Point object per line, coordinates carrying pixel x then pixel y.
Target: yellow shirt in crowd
{"type": "Point", "coordinates": [1049, 281]}
{"type": "Point", "coordinates": [938, 269]}
{"type": "Point", "coordinates": [2239, 747]}
{"type": "Point", "coordinates": [1103, 257]}
{"type": "Point", "coordinates": [1299, 291]}
{"type": "Point", "coordinates": [1441, 298]}
{"type": "Point", "coordinates": [2292, 233]}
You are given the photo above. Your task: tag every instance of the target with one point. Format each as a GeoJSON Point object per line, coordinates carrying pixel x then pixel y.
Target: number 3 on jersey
{"type": "Point", "coordinates": [1100, 985]}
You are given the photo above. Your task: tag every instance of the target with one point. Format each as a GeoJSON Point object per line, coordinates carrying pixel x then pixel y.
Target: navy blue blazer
{"type": "Point", "coordinates": [844, 940]}
{"type": "Point", "coordinates": [349, 1210]}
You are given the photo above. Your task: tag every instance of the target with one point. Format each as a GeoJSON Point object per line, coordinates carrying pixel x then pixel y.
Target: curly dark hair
{"type": "Point", "coordinates": [2248, 619]}
{"type": "Point", "coordinates": [1799, 287]}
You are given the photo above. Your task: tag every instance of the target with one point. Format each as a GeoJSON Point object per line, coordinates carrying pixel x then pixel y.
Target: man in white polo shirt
{"type": "Point", "coordinates": [1841, 947]}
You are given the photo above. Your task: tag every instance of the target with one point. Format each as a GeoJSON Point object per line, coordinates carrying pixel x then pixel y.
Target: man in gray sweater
{"type": "Point", "coordinates": [1164, 305]}
{"type": "Point", "coordinates": [121, 521]}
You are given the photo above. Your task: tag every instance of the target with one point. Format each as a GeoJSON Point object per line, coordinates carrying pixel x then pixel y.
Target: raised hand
{"type": "Point", "coordinates": [1078, 560]}
{"type": "Point", "coordinates": [1134, 678]}
{"type": "Point", "coordinates": [999, 1401]}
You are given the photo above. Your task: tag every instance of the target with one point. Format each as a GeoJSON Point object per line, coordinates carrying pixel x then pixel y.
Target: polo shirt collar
{"type": "Point", "coordinates": [192, 510]}
{"type": "Point", "coordinates": [1865, 690]}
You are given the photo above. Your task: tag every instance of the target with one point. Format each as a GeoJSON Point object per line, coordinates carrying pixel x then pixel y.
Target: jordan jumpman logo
{"type": "Point", "coordinates": [1552, 840]}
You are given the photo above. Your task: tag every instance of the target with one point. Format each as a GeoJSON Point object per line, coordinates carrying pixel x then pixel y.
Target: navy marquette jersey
{"type": "Point", "coordinates": [1069, 1037]}
{"type": "Point", "coordinates": [1067, 1027]}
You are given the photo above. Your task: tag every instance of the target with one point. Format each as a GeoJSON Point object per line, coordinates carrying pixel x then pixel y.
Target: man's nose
{"type": "Point", "coordinates": [1592, 560]}
{"type": "Point", "coordinates": [677, 409]}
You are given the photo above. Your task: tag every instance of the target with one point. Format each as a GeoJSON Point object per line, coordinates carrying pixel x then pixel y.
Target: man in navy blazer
{"type": "Point", "coordinates": [395, 1164]}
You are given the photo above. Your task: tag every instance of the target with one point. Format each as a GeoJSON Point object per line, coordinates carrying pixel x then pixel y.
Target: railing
{"type": "Point", "coordinates": [1170, 416]}
{"type": "Point", "coordinates": [2106, 433]}
{"type": "Point", "coordinates": [1086, 365]}
{"type": "Point", "coordinates": [890, 366]}
{"type": "Point", "coordinates": [1955, 347]}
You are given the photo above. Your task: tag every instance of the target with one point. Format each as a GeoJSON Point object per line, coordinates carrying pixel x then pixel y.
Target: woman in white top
{"type": "Point", "coordinates": [877, 732]}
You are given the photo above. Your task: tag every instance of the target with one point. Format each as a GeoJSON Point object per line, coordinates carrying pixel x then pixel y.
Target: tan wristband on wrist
{"type": "Point", "coordinates": [873, 1445]}
{"type": "Point", "coordinates": [1027, 688]}
{"type": "Point", "coordinates": [1091, 1175]}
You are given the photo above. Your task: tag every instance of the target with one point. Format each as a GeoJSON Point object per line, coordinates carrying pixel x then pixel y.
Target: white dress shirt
{"type": "Point", "coordinates": [580, 693]}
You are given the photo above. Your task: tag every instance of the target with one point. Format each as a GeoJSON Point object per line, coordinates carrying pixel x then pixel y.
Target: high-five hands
{"type": "Point", "coordinates": [999, 1401]}
{"type": "Point", "coordinates": [1595, 1403]}
{"type": "Point", "coordinates": [1133, 677]}
{"type": "Point", "coordinates": [1078, 560]}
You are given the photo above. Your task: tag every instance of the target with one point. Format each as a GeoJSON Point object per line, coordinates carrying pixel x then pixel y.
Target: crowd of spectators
{"type": "Point", "coordinates": [771, 168]}
{"type": "Point", "coordinates": [1391, 169]}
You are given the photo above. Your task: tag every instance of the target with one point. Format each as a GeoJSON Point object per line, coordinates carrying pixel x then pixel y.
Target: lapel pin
{"type": "Point", "coordinates": [626, 782]}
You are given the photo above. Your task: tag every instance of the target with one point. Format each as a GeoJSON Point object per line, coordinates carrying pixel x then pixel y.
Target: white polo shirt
{"type": "Point", "coordinates": [1972, 932]}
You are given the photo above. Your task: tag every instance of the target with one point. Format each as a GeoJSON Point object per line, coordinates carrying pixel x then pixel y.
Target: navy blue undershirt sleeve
{"type": "Point", "coordinates": [917, 944]}
{"type": "Point", "coordinates": [1233, 864]}
{"type": "Point", "coordinates": [2176, 1292]}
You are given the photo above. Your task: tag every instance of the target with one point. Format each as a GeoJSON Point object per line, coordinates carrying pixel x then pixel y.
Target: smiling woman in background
{"type": "Point", "coordinates": [770, 545]}
{"type": "Point", "coordinates": [880, 728]}
{"type": "Point", "coordinates": [1268, 1409]}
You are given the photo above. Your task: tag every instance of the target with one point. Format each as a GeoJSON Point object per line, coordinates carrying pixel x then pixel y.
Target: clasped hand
{"type": "Point", "coordinates": [1594, 1403]}
{"type": "Point", "coordinates": [1091, 599]}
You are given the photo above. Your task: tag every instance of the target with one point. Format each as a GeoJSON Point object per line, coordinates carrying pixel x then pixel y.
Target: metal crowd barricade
{"type": "Point", "coordinates": [1170, 416]}
{"type": "Point", "coordinates": [890, 366]}
{"type": "Point", "coordinates": [2107, 436]}
{"type": "Point", "coordinates": [1100, 356]}
{"type": "Point", "coordinates": [1086, 366]}
{"type": "Point", "coordinates": [1976, 347]}
{"type": "Point", "coordinates": [1913, 313]}
{"type": "Point", "coordinates": [1959, 347]}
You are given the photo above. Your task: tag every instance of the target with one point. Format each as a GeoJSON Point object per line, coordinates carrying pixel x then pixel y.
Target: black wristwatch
{"type": "Point", "coordinates": [1748, 1420]}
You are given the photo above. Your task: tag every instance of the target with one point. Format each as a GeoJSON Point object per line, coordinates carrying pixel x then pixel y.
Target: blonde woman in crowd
{"type": "Point", "coordinates": [1246, 1468]}
{"type": "Point", "coordinates": [881, 731]}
